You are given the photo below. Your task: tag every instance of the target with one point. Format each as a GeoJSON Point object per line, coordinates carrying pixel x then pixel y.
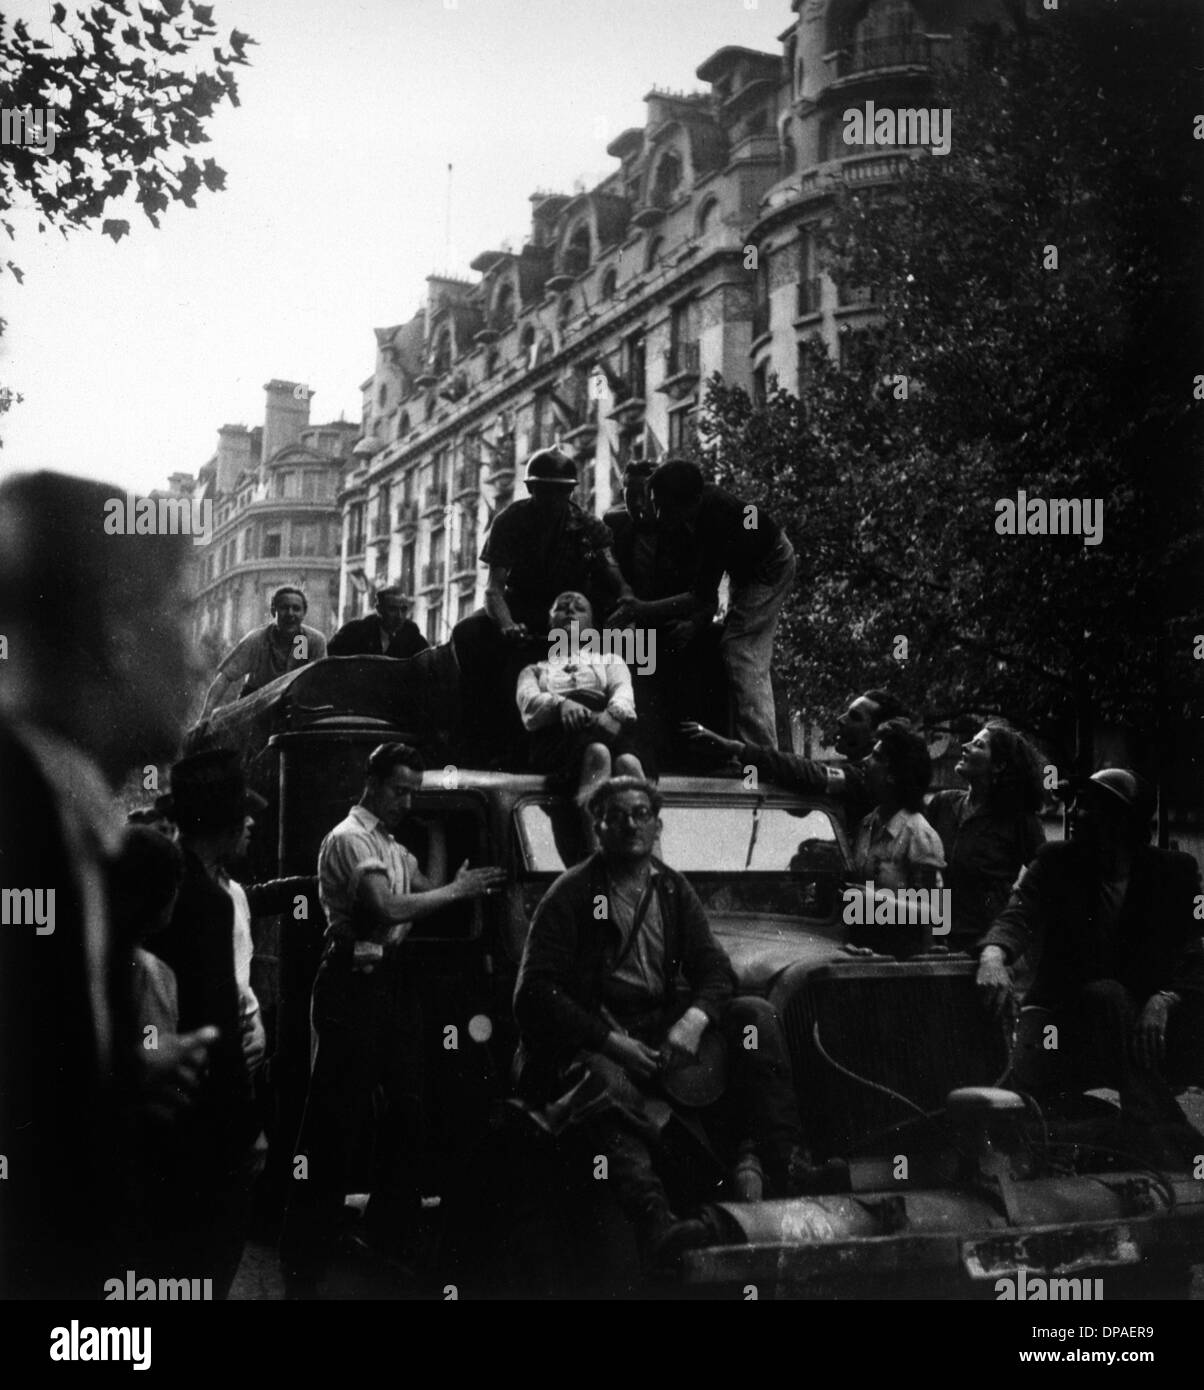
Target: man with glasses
{"type": "Point", "coordinates": [598, 990]}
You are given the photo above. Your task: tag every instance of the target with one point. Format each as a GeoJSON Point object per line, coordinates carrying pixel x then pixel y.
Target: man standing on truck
{"type": "Point", "coordinates": [597, 989]}
{"type": "Point", "coordinates": [368, 1020]}
{"type": "Point", "coordinates": [271, 651]}
{"type": "Point", "coordinates": [847, 781]}
{"type": "Point", "coordinates": [728, 536]}
{"type": "Point", "coordinates": [538, 547]}
{"type": "Point", "coordinates": [1121, 972]}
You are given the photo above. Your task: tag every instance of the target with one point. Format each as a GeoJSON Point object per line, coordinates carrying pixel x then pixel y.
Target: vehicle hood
{"type": "Point", "coordinates": [761, 946]}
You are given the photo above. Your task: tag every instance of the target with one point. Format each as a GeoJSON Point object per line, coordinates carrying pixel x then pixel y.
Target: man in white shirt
{"type": "Point", "coordinates": [367, 1018]}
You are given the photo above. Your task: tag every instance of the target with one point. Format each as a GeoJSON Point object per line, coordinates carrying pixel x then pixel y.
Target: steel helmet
{"type": "Point", "coordinates": [551, 466]}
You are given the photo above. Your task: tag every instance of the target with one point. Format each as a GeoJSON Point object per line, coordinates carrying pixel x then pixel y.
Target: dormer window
{"type": "Point", "coordinates": [667, 180]}
{"type": "Point", "coordinates": [577, 252]}
{"type": "Point", "coordinates": [503, 307]}
{"type": "Point", "coordinates": [443, 353]}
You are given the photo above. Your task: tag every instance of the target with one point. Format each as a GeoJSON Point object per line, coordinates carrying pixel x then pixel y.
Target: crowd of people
{"type": "Point", "coordinates": [131, 1039]}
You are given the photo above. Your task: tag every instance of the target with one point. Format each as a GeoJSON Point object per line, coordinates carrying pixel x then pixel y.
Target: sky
{"type": "Point", "coordinates": [130, 356]}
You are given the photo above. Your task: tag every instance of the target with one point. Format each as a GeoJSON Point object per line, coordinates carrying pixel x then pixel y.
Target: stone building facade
{"type": "Point", "coordinates": [696, 256]}
{"type": "Point", "coordinates": [276, 519]}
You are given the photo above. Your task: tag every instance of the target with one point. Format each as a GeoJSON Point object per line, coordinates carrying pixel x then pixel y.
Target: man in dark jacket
{"type": "Point", "coordinates": [216, 1151]}
{"type": "Point", "coordinates": [387, 632]}
{"type": "Point", "coordinates": [598, 988]}
{"type": "Point", "coordinates": [96, 653]}
{"type": "Point", "coordinates": [1121, 970]}
{"type": "Point", "coordinates": [846, 781]}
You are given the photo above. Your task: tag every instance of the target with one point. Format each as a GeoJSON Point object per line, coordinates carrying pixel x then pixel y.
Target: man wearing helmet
{"type": "Point", "coordinates": [538, 547]}
{"type": "Point", "coordinates": [1118, 995]}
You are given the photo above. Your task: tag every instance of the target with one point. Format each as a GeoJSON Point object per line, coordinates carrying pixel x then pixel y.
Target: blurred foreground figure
{"type": "Point", "coordinates": [1121, 970]}
{"type": "Point", "coordinates": [96, 669]}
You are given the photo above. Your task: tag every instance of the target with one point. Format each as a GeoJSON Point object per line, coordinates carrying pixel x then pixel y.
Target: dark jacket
{"type": "Point", "coordinates": [198, 944]}
{"type": "Point", "coordinates": [559, 989]}
{"type": "Point", "coordinates": [845, 781]}
{"type": "Point", "coordinates": [985, 851]}
{"type": "Point", "coordinates": [1158, 944]}
{"type": "Point", "coordinates": [62, 1207]}
{"type": "Point", "coordinates": [361, 637]}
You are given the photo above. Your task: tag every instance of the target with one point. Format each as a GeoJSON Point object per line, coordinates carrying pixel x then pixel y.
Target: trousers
{"type": "Point", "coordinates": [747, 644]}
{"type": "Point", "coordinates": [759, 1106]}
{"type": "Point", "coordinates": [1094, 1048]}
{"type": "Point", "coordinates": [369, 1056]}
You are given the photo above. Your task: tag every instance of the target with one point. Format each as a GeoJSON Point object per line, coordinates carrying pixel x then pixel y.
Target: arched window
{"type": "Point", "coordinates": [577, 251]}
{"type": "Point", "coordinates": [666, 181]}
{"type": "Point", "coordinates": [706, 215]}
{"type": "Point", "coordinates": [609, 282]}
{"type": "Point", "coordinates": [566, 312]}
{"type": "Point", "coordinates": [653, 254]}
{"type": "Point", "coordinates": [382, 396]}
{"type": "Point", "coordinates": [503, 307]}
{"type": "Point", "coordinates": [526, 341]}
{"type": "Point", "coordinates": [403, 425]}
{"type": "Point", "coordinates": [443, 352]}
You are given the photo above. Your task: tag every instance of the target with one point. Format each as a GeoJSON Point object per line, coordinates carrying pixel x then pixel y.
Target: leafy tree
{"type": "Point", "coordinates": [1074, 131]}
{"type": "Point", "coordinates": [129, 96]}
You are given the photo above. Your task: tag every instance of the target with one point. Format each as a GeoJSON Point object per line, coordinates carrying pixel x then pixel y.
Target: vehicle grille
{"type": "Point", "coordinates": [917, 1028]}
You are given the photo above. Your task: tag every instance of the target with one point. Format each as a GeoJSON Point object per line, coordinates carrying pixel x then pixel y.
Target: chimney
{"type": "Point", "coordinates": [285, 415]}
{"type": "Point", "coordinates": [233, 455]}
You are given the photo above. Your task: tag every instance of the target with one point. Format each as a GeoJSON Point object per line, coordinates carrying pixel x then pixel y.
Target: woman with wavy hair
{"type": "Point", "coordinates": [989, 831]}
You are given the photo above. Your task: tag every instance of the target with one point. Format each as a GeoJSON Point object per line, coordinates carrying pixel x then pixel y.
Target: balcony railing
{"type": "Point", "coordinates": [434, 574]}
{"type": "Point", "coordinates": [809, 292]}
{"type": "Point", "coordinates": [464, 559]}
{"type": "Point", "coordinates": [895, 51]}
{"type": "Point", "coordinates": [682, 359]}
{"type": "Point", "coordinates": [407, 514]}
{"type": "Point", "coordinates": [434, 497]}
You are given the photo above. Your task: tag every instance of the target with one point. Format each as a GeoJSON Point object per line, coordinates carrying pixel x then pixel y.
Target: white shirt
{"type": "Point", "coordinates": [243, 946]}
{"type": "Point", "coordinates": [889, 853]}
{"type": "Point", "coordinates": [358, 845]}
{"type": "Point", "coordinates": [543, 687]}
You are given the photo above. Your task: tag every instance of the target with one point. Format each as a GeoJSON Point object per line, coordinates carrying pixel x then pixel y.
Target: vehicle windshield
{"type": "Point", "coordinates": [740, 857]}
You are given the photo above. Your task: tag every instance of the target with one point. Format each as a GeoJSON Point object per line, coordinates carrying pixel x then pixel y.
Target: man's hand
{"type": "Point", "coordinates": [573, 715]}
{"type": "Point", "coordinates": [686, 1034]}
{"type": "Point", "coordinates": [516, 632]}
{"type": "Point", "coordinates": [254, 1041]}
{"type": "Point", "coordinates": [475, 883]}
{"type": "Point", "coordinates": [172, 1071]}
{"type": "Point", "coordinates": [628, 611]}
{"type": "Point", "coordinates": [711, 742]}
{"type": "Point", "coordinates": [1149, 1034]}
{"type": "Point", "coordinates": [633, 1056]}
{"type": "Point", "coordinates": [994, 981]}
{"type": "Point", "coordinates": [680, 632]}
